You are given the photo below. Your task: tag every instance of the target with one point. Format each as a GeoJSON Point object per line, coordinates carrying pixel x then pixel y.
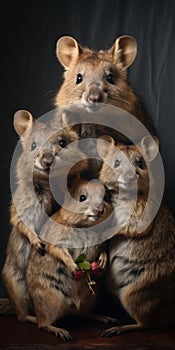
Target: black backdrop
{"type": "Point", "coordinates": [31, 74]}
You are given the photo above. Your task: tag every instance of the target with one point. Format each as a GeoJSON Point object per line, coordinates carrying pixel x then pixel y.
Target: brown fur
{"type": "Point", "coordinates": [95, 68]}
{"type": "Point", "coordinates": [33, 199]}
{"type": "Point", "coordinates": [52, 288]}
{"type": "Point", "coordinates": [141, 265]}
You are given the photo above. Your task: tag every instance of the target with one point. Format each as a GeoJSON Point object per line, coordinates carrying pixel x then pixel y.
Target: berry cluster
{"type": "Point", "coordinates": [84, 268]}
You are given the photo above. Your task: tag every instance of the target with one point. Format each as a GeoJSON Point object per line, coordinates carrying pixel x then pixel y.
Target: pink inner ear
{"type": "Point", "coordinates": [150, 148]}
{"type": "Point", "coordinates": [125, 48]}
{"type": "Point", "coordinates": [22, 120]}
{"type": "Point", "coordinates": [67, 51]}
{"type": "Point", "coordinates": [105, 146]}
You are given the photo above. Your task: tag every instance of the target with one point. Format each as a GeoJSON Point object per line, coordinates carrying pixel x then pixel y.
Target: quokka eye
{"type": "Point", "coordinates": [110, 78]}
{"type": "Point", "coordinates": [82, 198]}
{"type": "Point", "coordinates": [62, 143]}
{"type": "Point", "coordinates": [79, 78]}
{"type": "Point", "coordinates": [140, 163]}
{"type": "Point", "coordinates": [33, 146]}
{"type": "Point", "coordinates": [117, 163]}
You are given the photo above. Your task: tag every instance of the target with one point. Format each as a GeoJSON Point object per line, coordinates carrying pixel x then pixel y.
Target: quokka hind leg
{"type": "Point", "coordinates": [18, 296]}
{"type": "Point", "coordinates": [116, 330]}
{"type": "Point", "coordinates": [48, 310]}
{"type": "Point", "coordinates": [61, 332]}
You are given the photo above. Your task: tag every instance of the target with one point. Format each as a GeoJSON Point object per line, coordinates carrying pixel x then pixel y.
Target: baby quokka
{"type": "Point", "coordinates": [53, 290]}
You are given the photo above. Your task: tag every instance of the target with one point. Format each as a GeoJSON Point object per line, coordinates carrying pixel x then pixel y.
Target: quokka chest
{"type": "Point", "coordinates": [125, 267]}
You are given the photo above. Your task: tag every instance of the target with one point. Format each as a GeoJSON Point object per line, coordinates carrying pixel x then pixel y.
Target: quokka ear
{"type": "Point", "coordinates": [22, 120]}
{"type": "Point", "coordinates": [150, 147]}
{"type": "Point", "coordinates": [67, 51]}
{"type": "Point", "coordinates": [105, 145]}
{"type": "Point", "coordinates": [124, 50]}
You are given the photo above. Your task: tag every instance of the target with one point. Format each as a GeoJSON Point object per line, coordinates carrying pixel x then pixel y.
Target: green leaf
{"type": "Point", "coordinates": [84, 265]}
{"type": "Point", "coordinates": [80, 259]}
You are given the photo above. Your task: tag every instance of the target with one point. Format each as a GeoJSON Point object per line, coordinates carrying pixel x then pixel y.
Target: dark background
{"type": "Point", "coordinates": [31, 74]}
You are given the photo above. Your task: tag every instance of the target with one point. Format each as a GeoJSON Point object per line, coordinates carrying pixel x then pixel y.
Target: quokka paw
{"type": "Point", "coordinates": [110, 332]}
{"type": "Point", "coordinates": [102, 260]}
{"type": "Point", "coordinates": [72, 267]}
{"type": "Point", "coordinates": [40, 246]}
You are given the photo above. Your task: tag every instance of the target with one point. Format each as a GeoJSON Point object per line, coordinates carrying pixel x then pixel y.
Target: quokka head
{"type": "Point", "coordinates": [95, 77]}
{"type": "Point", "coordinates": [88, 200]}
{"type": "Point", "coordinates": [40, 143]}
{"type": "Point", "coordinates": [126, 168]}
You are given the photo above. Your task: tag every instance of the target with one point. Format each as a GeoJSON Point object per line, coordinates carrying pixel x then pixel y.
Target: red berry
{"type": "Point", "coordinates": [78, 275]}
{"type": "Point", "coordinates": [95, 267]}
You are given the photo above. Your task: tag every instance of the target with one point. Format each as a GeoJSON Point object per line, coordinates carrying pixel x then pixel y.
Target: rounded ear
{"type": "Point", "coordinates": [105, 148]}
{"type": "Point", "coordinates": [22, 120]}
{"type": "Point", "coordinates": [150, 147]}
{"type": "Point", "coordinates": [67, 51]}
{"type": "Point", "coordinates": [124, 49]}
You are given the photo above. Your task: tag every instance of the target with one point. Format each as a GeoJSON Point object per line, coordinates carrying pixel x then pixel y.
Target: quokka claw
{"type": "Point", "coordinates": [40, 246]}
{"type": "Point", "coordinates": [102, 260]}
{"type": "Point", "coordinates": [63, 334]}
{"type": "Point", "coordinates": [110, 332]}
{"type": "Point", "coordinates": [73, 267]}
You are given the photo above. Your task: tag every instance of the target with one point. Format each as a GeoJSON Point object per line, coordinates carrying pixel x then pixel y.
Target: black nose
{"type": "Point", "coordinates": [95, 95]}
{"type": "Point", "coordinates": [47, 159]}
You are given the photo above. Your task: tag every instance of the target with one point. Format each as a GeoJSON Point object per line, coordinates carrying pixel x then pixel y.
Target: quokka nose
{"type": "Point", "coordinates": [47, 159]}
{"type": "Point", "coordinates": [130, 176]}
{"type": "Point", "coordinates": [99, 210]}
{"type": "Point", "coordinates": [95, 95]}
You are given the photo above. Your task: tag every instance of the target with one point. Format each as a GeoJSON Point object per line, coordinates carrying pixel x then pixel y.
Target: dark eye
{"type": "Point", "coordinates": [33, 146]}
{"type": "Point", "coordinates": [110, 78]}
{"type": "Point", "coordinates": [62, 143]}
{"type": "Point", "coordinates": [117, 163]}
{"type": "Point", "coordinates": [140, 163]}
{"type": "Point", "coordinates": [79, 78]}
{"type": "Point", "coordinates": [82, 198]}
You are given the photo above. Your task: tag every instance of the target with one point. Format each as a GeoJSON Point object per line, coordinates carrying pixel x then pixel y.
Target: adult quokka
{"type": "Point", "coordinates": [52, 288]}
{"type": "Point", "coordinates": [95, 77]}
{"type": "Point", "coordinates": [141, 269]}
{"type": "Point", "coordinates": [33, 202]}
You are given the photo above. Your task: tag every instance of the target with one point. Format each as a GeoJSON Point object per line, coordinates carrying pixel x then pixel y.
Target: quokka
{"type": "Point", "coordinates": [53, 290]}
{"type": "Point", "coordinates": [95, 77]}
{"type": "Point", "coordinates": [141, 269]}
{"type": "Point", "coordinates": [32, 202]}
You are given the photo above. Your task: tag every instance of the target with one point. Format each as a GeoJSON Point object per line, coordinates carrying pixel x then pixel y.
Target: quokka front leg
{"type": "Point", "coordinates": [63, 255]}
{"type": "Point", "coordinates": [33, 238]}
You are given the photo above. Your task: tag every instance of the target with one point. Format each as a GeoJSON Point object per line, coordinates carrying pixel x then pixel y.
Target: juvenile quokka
{"type": "Point", "coordinates": [52, 288]}
{"type": "Point", "coordinates": [141, 264]}
{"type": "Point", "coordinates": [32, 202]}
{"type": "Point", "coordinates": [95, 77]}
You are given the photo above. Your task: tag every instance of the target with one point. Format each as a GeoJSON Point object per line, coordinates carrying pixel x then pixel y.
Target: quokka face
{"type": "Point", "coordinates": [41, 145]}
{"type": "Point", "coordinates": [89, 197]}
{"type": "Point", "coordinates": [94, 77]}
{"type": "Point", "coordinates": [126, 167]}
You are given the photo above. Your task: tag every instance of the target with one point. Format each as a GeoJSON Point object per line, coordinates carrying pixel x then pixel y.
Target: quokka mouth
{"type": "Point", "coordinates": [127, 184]}
{"type": "Point", "coordinates": [94, 217]}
